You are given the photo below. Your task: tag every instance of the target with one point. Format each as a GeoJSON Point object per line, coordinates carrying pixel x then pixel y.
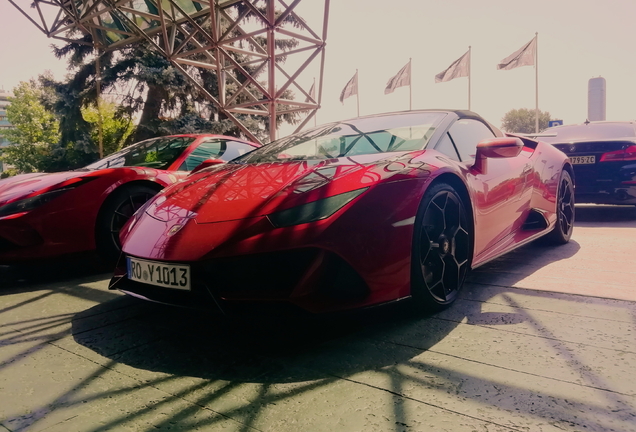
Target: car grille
{"type": "Point", "coordinates": [6, 245]}
{"type": "Point", "coordinates": [275, 273]}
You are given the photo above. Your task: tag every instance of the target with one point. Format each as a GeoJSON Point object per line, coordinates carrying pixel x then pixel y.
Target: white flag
{"type": "Point", "coordinates": [403, 78]}
{"type": "Point", "coordinates": [312, 93]}
{"type": "Point", "coordinates": [350, 89]}
{"type": "Point", "coordinates": [522, 57]}
{"type": "Point", "coordinates": [459, 68]}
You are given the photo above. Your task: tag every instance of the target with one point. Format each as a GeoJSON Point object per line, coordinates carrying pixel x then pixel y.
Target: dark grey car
{"type": "Point", "coordinates": [603, 155]}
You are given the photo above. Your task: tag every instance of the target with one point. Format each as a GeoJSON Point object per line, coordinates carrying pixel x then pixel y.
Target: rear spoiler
{"type": "Point", "coordinates": [536, 135]}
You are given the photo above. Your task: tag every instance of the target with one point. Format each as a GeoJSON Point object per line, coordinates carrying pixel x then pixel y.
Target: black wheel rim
{"type": "Point", "coordinates": [566, 206]}
{"type": "Point", "coordinates": [444, 247]}
{"type": "Point", "coordinates": [124, 211]}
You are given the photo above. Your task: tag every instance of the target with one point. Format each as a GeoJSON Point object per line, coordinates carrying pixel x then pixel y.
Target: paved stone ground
{"type": "Point", "coordinates": [543, 339]}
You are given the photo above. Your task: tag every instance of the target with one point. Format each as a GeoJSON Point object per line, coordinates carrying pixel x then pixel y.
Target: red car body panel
{"type": "Point", "coordinates": [224, 213]}
{"type": "Point", "coordinates": [66, 225]}
{"type": "Point", "coordinates": [505, 194]}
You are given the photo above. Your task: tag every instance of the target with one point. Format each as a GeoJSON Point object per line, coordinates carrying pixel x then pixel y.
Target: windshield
{"type": "Point", "coordinates": [157, 153]}
{"type": "Point", "coordinates": [391, 133]}
{"type": "Point", "coordinates": [592, 131]}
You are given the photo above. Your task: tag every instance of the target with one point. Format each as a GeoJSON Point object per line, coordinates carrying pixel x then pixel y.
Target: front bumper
{"type": "Point", "coordinates": [19, 241]}
{"type": "Point", "coordinates": [605, 183]}
{"type": "Point", "coordinates": [312, 279]}
{"type": "Point", "coordinates": [47, 232]}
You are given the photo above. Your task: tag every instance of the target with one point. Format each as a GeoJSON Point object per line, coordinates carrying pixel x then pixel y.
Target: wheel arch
{"type": "Point", "coordinates": [568, 167]}
{"type": "Point", "coordinates": [113, 194]}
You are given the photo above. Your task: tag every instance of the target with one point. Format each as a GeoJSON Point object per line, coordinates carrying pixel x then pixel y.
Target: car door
{"type": "Point", "coordinates": [501, 194]}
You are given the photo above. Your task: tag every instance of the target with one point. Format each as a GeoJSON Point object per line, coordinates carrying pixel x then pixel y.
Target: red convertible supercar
{"type": "Point", "coordinates": [47, 215]}
{"type": "Point", "coordinates": [350, 214]}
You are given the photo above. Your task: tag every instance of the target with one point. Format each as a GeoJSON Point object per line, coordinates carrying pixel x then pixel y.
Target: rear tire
{"type": "Point", "coordinates": [562, 231]}
{"type": "Point", "coordinates": [442, 248]}
{"type": "Point", "coordinates": [115, 212]}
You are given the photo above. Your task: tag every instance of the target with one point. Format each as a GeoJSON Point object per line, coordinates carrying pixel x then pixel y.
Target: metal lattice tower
{"type": "Point", "coordinates": [239, 40]}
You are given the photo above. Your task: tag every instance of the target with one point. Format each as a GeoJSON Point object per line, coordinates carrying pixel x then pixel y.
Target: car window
{"type": "Point", "coordinates": [214, 148]}
{"type": "Point", "coordinates": [235, 149]}
{"type": "Point", "coordinates": [446, 146]}
{"type": "Point", "coordinates": [401, 132]}
{"type": "Point", "coordinates": [157, 153]}
{"type": "Point", "coordinates": [466, 133]}
{"type": "Point", "coordinates": [386, 141]}
{"type": "Point", "coordinates": [206, 150]}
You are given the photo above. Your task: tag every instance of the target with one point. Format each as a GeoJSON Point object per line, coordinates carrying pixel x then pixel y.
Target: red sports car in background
{"type": "Point", "coordinates": [46, 215]}
{"type": "Point", "coordinates": [349, 214]}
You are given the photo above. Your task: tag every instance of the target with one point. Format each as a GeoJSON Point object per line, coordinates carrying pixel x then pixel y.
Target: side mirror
{"type": "Point", "coordinates": [207, 163]}
{"type": "Point", "coordinates": [496, 148]}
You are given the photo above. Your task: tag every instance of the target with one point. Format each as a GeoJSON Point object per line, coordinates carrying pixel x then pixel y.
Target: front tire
{"type": "Point", "coordinates": [442, 248]}
{"type": "Point", "coordinates": [115, 212]}
{"type": "Point", "coordinates": [562, 231]}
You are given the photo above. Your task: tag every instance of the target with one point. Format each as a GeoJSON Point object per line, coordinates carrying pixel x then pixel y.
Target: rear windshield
{"type": "Point", "coordinates": [591, 131]}
{"type": "Point", "coordinates": [391, 133]}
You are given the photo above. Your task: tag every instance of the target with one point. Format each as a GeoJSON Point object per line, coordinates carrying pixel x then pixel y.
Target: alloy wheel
{"type": "Point", "coordinates": [124, 211]}
{"type": "Point", "coordinates": [565, 206]}
{"type": "Point", "coordinates": [444, 246]}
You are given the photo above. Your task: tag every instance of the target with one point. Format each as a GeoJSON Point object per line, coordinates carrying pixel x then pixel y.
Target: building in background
{"type": "Point", "coordinates": [596, 95]}
{"type": "Point", "coordinates": [4, 121]}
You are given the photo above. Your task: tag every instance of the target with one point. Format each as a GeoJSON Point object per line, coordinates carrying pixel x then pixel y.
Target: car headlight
{"type": "Point", "coordinates": [313, 211]}
{"type": "Point", "coordinates": [28, 204]}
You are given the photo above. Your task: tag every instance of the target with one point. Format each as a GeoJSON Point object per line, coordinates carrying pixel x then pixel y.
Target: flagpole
{"type": "Point", "coordinates": [469, 61]}
{"type": "Point", "coordinates": [410, 86]}
{"type": "Point", "coordinates": [316, 113]}
{"type": "Point", "coordinates": [536, 82]}
{"type": "Point", "coordinates": [357, 93]}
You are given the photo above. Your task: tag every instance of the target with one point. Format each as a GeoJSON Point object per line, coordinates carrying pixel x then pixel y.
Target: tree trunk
{"type": "Point", "coordinates": [149, 121]}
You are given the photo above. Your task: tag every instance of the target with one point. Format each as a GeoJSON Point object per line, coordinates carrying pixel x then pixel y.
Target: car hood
{"type": "Point", "coordinates": [240, 191]}
{"type": "Point", "coordinates": [25, 184]}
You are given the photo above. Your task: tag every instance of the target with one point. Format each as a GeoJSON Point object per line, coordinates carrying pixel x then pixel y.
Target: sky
{"type": "Point", "coordinates": [578, 40]}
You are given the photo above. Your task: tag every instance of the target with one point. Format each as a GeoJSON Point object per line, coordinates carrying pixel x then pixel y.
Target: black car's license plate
{"type": "Point", "coordinates": [176, 276]}
{"type": "Point", "coordinates": [582, 160]}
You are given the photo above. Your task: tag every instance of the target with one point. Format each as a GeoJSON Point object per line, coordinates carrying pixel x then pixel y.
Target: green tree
{"type": "Point", "coordinates": [75, 147]}
{"type": "Point", "coordinates": [523, 120]}
{"type": "Point", "coordinates": [36, 129]}
{"type": "Point", "coordinates": [116, 127]}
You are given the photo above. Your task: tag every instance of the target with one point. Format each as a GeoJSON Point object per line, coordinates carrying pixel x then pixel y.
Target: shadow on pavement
{"type": "Point", "coordinates": [261, 348]}
{"type": "Point", "coordinates": [590, 215]}
{"type": "Point", "coordinates": [522, 262]}
{"type": "Point", "coordinates": [385, 344]}
{"type": "Point", "coordinates": [28, 275]}
{"type": "Point", "coordinates": [260, 360]}
{"type": "Point", "coordinates": [192, 343]}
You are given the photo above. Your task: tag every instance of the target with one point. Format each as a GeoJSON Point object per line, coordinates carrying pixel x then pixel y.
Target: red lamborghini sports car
{"type": "Point", "coordinates": [48, 215]}
{"type": "Point", "coordinates": [349, 214]}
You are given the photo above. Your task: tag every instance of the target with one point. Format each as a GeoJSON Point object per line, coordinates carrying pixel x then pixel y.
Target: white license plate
{"type": "Point", "coordinates": [176, 276]}
{"type": "Point", "coordinates": [582, 160]}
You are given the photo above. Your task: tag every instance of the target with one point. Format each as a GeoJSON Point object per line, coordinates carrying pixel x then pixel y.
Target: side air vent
{"type": "Point", "coordinates": [535, 221]}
